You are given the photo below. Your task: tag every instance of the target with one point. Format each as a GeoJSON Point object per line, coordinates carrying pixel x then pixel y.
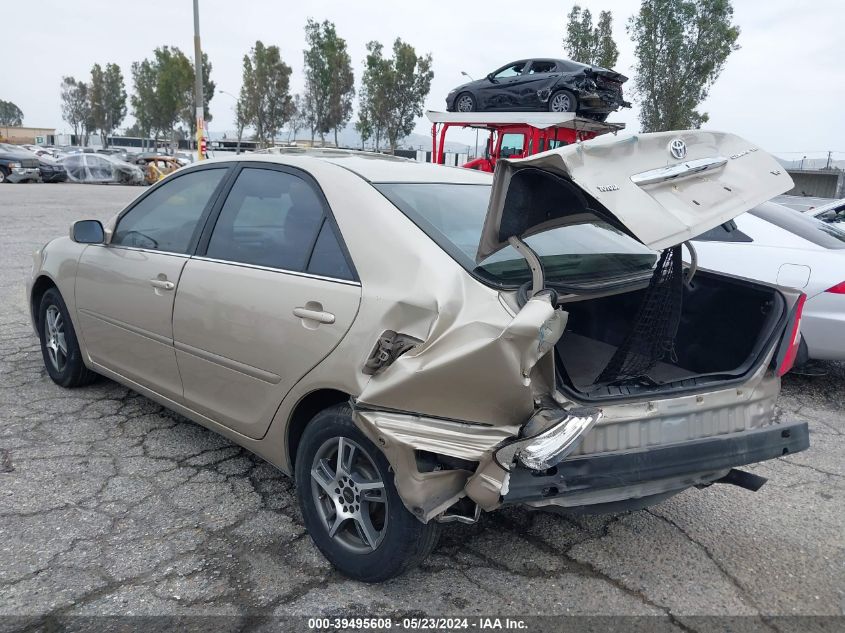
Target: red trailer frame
{"type": "Point", "coordinates": [540, 131]}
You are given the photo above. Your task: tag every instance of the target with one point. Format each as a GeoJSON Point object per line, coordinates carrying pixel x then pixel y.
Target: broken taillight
{"type": "Point", "coordinates": [838, 289]}
{"type": "Point", "coordinates": [794, 338]}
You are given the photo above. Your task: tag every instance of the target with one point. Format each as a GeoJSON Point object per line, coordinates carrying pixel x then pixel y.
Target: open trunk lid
{"type": "Point", "coordinates": [662, 188]}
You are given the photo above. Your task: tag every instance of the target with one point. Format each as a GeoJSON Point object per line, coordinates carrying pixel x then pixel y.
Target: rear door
{"type": "Point", "coordinates": [125, 289]}
{"type": "Point", "coordinates": [270, 294]}
{"type": "Point", "coordinates": [538, 79]}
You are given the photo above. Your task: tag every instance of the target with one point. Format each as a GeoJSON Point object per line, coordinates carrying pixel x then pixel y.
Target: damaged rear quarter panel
{"type": "Point", "coordinates": [473, 365]}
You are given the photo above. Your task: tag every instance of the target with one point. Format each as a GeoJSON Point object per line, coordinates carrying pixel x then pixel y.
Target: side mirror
{"type": "Point", "coordinates": [491, 78]}
{"type": "Point", "coordinates": [87, 232]}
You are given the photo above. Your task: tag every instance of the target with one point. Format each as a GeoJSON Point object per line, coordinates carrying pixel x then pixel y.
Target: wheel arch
{"type": "Point", "coordinates": [303, 412]}
{"type": "Point", "coordinates": [472, 94]}
{"type": "Point", "coordinates": [41, 285]}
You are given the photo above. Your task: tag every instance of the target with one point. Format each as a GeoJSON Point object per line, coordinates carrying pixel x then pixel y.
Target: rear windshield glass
{"type": "Point", "coordinates": [802, 225]}
{"type": "Point", "coordinates": [580, 254]}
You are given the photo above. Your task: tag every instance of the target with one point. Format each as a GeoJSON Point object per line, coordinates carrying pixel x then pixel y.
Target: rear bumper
{"type": "Point", "coordinates": [682, 462]}
{"type": "Point", "coordinates": [601, 101]}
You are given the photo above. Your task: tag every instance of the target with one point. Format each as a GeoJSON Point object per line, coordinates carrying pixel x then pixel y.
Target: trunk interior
{"type": "Point", "coordinates": [726, 326]}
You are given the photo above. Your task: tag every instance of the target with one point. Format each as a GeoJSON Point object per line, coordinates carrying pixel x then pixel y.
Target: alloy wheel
{"type": "Point", "coordinates": [465, 104]}
{"type": "Point", "coordinates": [349, 494]}
{"type": "Point", "coordinates": [54, 338]}
{"type": "Point", "coordinates": [561, 103]}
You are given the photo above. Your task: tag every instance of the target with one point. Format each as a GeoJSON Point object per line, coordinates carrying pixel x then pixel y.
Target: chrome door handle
{"type": "Point", "coordinates": [162, 284]}
{"type": "Point", "coordinates": [314, 315]}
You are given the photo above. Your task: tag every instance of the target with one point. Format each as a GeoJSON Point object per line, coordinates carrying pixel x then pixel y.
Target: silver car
{"type": "Point", "coordinates": [776, 244]}
{"type": "Point", "coordinates": [417, 344]}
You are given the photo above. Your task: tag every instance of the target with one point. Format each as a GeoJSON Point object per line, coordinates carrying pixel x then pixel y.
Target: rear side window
{"type": "Point", "coordinates": [327, 259]}
{"type": "Point", "coordinates": [276, 219]}
{"type": "Point", "coordinates": [542, 67]}
{"type": "Point", "coordinates": [580, 254]}
{"type": "Point", "coordinates": [168, 218]}
{"type": "Point", "coordinates": [802, 225]}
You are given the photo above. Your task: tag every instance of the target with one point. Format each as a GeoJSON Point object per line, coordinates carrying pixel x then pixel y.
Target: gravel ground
{"type": "Point", "coordinates": [110, 504]}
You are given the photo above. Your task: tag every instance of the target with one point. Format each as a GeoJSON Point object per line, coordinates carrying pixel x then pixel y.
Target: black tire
{"type": "Point", "coordinates": [802, 357]}
{"type": "Point", "coordinates": [3, 175]}
{"type": "Point", "coordinates": [467, 99]}
{"type": "Point", "coordinates": [404, 541]}
{"type": "Point", "coordinates": [557, 98]}
{"type": "Point", "coordinates": [72, 372]}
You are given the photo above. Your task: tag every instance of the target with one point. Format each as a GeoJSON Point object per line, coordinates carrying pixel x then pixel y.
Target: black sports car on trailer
{"type": "Point", "coordinates": [554, 85]}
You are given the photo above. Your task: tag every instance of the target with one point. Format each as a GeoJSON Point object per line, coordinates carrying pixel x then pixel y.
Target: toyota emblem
{"type": "Point", "coordinates": [677, 148]}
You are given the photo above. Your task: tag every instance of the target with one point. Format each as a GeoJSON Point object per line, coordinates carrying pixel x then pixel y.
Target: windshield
{"type": "Point", "coordinates": [579, 254]}
{"type": "Point", "coordinates": [802, 225]}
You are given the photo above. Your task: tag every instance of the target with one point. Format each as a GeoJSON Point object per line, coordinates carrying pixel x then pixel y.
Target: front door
{"type": "Point", "coordinates": [125, 289]}
{"type": "Point", "coordinates": [501, 93]}
{"type": "Point", "coordinates": [268, 297]}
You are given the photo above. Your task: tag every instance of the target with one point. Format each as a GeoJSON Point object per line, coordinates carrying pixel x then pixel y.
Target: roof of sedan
{"type": "Point", "coordinates": [370, 166]}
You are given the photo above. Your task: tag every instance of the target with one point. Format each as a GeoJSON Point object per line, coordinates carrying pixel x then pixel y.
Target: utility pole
{"type": "Point", "coordinates": [198, 88]}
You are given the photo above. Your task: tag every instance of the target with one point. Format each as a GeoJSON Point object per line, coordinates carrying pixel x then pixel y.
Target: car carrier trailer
{"type": "Point", "coordinates": [515, 134]}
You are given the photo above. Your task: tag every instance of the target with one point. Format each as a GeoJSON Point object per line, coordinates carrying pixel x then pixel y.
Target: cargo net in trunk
{"type": "Point", "coordinates": [652, 335]}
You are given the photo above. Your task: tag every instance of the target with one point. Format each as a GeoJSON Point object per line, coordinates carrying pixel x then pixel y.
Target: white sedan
{"type": "Point", "coordinates": [775, 244]}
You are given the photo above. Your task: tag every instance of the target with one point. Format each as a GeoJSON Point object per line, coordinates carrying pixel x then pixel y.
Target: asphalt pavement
{"type": "Point", "coordinates": [111, 505]}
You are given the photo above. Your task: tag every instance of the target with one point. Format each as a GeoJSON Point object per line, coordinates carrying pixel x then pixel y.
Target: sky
{"type": "Point", "coordinates": [783, 90]}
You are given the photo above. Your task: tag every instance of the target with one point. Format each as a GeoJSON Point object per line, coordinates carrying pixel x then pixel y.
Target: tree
{"type": "Point", "coordinates": [681, 48]}
{"type": "Point", "coordinates": [161, 87]}
{"type": "Point", "coordinates": [606, 52]}
{"type": "Point", "coordinates": [374, 100]}
{"type": "Point", "coordinates": [189, 114]}
{"type": "Point", "coordinates": [299, 117]}
{"type": "Point", "coordinates": [364, 125]}
{"type": "Point", "coordinates": [393, 91]}
{"type": "Point", "coordinates": [587, 44]}
{"type": "Point", "coordinates": [329, 81]}
{"type": "Point", "coordinates": [75, 105]}
{"type": "Point", "coordinates": [144, 104]}
{"type": "Point", "coordinates": [134, 131]}
{"type": "Point", "coordinates": [10, 114]}
{"type": "Point", "coordinates": [241, 120]}
{"type": "Point", "coordinates": [265, 92]}
{"type": "Point", "coordinates": [410, 81]}
{"type": "Point", "coordinates": [107, 99]}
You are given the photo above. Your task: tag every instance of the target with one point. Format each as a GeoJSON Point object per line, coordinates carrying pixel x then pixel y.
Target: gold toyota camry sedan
{"type": "Point", "coordinates": [417, 344]}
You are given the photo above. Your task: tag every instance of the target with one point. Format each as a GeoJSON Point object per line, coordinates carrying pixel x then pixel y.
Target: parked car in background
{"type": "Point", "coordinates": [184, 158]}
{"type": "Point", "coordinates": [157, 167]}
{"type": "Point", "coordinates": [502, 362]}
{"type": "Point", "coordinates": [40, 151]}
{"type": "Point", "coordinates": [554, 85]}
{"type": "Point", "coordinates": [775, 244]}
{"type": "Point", "coordinates": [85, 167]}
{"type": "Point", "coordinates": [17, 164]}
{"type": "Point", "coordinates": [51, 170]}
{"type": "Point", "coordinates": [833, 212]}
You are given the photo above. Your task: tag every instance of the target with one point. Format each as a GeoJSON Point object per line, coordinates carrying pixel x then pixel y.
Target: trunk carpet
{"type": "Point", "coordinates": [585, 358]}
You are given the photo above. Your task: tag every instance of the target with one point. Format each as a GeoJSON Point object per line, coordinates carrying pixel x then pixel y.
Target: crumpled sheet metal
{"type": "Point", "coordinates": [472, 370]}
{"type": "Point", "coordinates": [473, 373]}
{"type": "Point", "coordinates": [425, 494]}
{"type": "Point", "coordinates": [444, 437]}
